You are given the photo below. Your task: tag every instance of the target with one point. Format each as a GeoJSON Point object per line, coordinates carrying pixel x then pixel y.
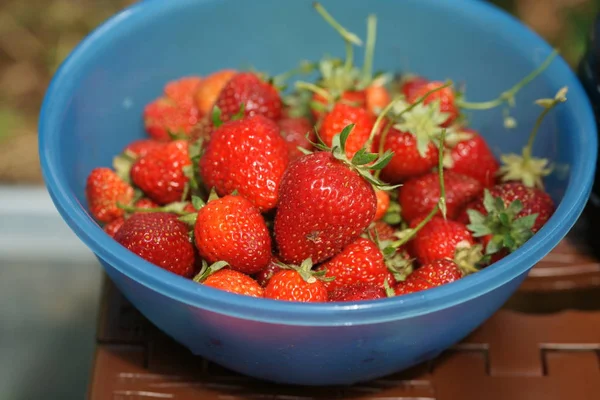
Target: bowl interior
{"type": "Point", "coordinates": [94, 106]}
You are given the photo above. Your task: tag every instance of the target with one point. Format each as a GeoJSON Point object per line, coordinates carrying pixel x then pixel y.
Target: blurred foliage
{"type": "Point", "coordinates": [565, 24]}
{"type": "Point", "coordinates": [36, 35]}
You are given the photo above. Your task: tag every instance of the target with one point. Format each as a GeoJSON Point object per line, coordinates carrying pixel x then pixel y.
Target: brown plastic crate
{"type": "Point", "coordinates": [512, 356]}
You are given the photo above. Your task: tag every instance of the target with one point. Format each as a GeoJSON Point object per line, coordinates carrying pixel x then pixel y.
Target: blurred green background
{"type": "Point", "coordinates": [36, 35]}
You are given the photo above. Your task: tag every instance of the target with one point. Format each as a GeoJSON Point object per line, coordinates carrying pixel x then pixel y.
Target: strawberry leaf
{"type": "Point", "coordinates": [361, 157]}
{"type": "Point", "coordinates": [504, 219]}
{"type": "Point", "coordinates": [475, 216]}
{"type": "Point", "coordinates": [207, 271]}
{"type": "Point", "coordinates": [177, 135]}
{"type": "Point", "coordinates": [197, 202]}
{"type": "Point", "coordinates": [393, 215]}
{"type": "Point", "coordinates": [122, 165]}
{"type": "Point", "coordinates": [383, 161]}
{"type": "Point", "coordinates": [216, 117]}
{"type": "Point", "coordinates": [495, 245]}
{"type": "Point", "coordinates": [344, 135]}
{"type": "Point", "coordinates": [527, 222]}
{"type": "Point", "coordinates": [189, 219]}
{"type": "Point", "coordinates": [240, 114]}
{"type": "Point", "coordinates": [488, 201]}
{"type": "Point", "coordinates": [303, 150]}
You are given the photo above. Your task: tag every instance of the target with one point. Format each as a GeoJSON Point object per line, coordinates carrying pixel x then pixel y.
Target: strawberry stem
{"type": "Point", "coordinates": [508, 96]}
{"type": "Point", "coordinates": [207, 271]}
{"type": "Point", "coordinates": [525, 167]}
{"type": "Point", "coordinates": [380, 117]}
{"type": "Point", "coordinates": [301, 85]}
{"type": "Point", "coordinates": [174, 208]}
{"type": "Point", "coordinates": [548, 105]}
{"type": "Point", "coordinates": [344, 33]}
{"type": "Point", "coordinates": [370, 49]}
{"type": "Point", "coordinates": [349, 37]}
{"type": "Point", "coordinates": [380, 151]}
{"type": "Point", "coordinates": [442, 200]}
{"type": "Point", "coordinates": [389, 291]}
{"type": "Point", "coordinates": [412, 232]}
{"type": "Point", "coordinates": [305, 67]}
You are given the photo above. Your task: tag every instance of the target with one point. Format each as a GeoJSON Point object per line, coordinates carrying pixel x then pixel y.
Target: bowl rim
{"type": "Point", "coordinates": [318, 314]}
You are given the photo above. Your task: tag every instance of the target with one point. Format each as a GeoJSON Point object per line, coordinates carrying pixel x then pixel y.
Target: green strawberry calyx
{"type": "Point", "coordinates": [393, 215]}
{"type": "Point", "coordinates": [192, 170]}
{"type": "Point", "coordinates": [174, 208]}
{"type": "Point", "coordinates": [389, 291]}
{"type": "Point", "coordinates": [507, 98]}
{"type": "Point", "coordinates": [207, 270]}
{"type": "Point", "coordinates": [395, 260]}
{"type": "Point", "coordinates": [502, 224]}
{"type": "Point", "coordinates": [122, 164]}
{"type": "Point", "coordinates": [524, 167]}
{"type": "Point", "coordinates": [468, 257]}
{"type": "Point", "coordinates": [306, 272]}
{"type": "Point", "coordinates": [362, 162]}
{"type": "Point", "coordinates": [422, 121]}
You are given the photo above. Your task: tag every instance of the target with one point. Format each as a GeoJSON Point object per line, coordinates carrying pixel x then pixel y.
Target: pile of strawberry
{"type": "Point", "coordinates": [353, 187]}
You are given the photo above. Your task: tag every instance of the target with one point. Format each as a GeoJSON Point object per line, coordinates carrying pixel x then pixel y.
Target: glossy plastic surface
{"type": "Point", "coordinates": [93, 109]}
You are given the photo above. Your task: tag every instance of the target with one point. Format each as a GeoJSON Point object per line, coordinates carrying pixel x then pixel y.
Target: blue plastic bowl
{"type": "Point", "coordinates": [93, 109]}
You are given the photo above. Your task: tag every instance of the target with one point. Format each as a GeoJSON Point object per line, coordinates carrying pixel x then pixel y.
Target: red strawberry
{"type": "Point", "coordinates": [249, 156]}
{"type": "Point", "coordinates": [203, 129]}
{"type": "Point", "coordinates": [324, 205]}
{"type": "Point", "coordinates": [473, 157]}
{"type": "Point", "coordinates": [231, 229]}
{"type": "Point", "coordinates": [295, 131]}
{"type": "Point", "coordinates": [233, 281]}
{"type": "Point", "coordinates": [113, 226]}
{"type": "Point", "coordinates": [407, 162]}
{"type": "Point", "coordinates": [419, 195]}
{"type": "Point", "coordinates": [145, 203]}
{"type": "Point", "coordinates": [163, 117]}
{"type": "Point", "coordinates": [140, 148]}
{"type": "Point", "coordinates": [263, 277]}
{"type": "Point", "coordinates": [182, 91]}
{"type": "Point", "coordinates": [377, 97]}
{"type": "Point", "coordinates": [382, 230]}
{"type": "Point", "coordinates": [445, 96]}
{"type": "Point", "coordinates": [438, 272]}
{"type": "Point", "coordinates": [174, 113]}
{"type": "Point", "coordinates": [360, 261]}
{"type": "Point", "coordinates": [383, 202]}
{"type": "Point", "coordinates": [358, 292]}
{"type": "Point", "coordinates": [159, 174]}
{"type": "Point", "coordinates": [432, 274]}
{"type": "Point", "coordinates": [343, 115]}
{"type": "Point", "coordinates": [189, 207]}
{"type": "Point", "coordinates": [354, 98]}
{"type": "Point", "coordinates": [258, 97]}
{"type": "Point", "coordinates": [297, 284]}
{"type": "Point", "coordinates": [104, 189]}
{"type": "Point", "coordinates": [411, 84]}
{"type": "Point", "coordinates": [160, 238]}
{"type": "Point", "coordinates": [209, 89]}
{"type": "Point", "coordinates": [440, 238]}
{"type": "Point", "coordinates": [533, 200]}
{"type": "Point", "coordinates": [411, 286]}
